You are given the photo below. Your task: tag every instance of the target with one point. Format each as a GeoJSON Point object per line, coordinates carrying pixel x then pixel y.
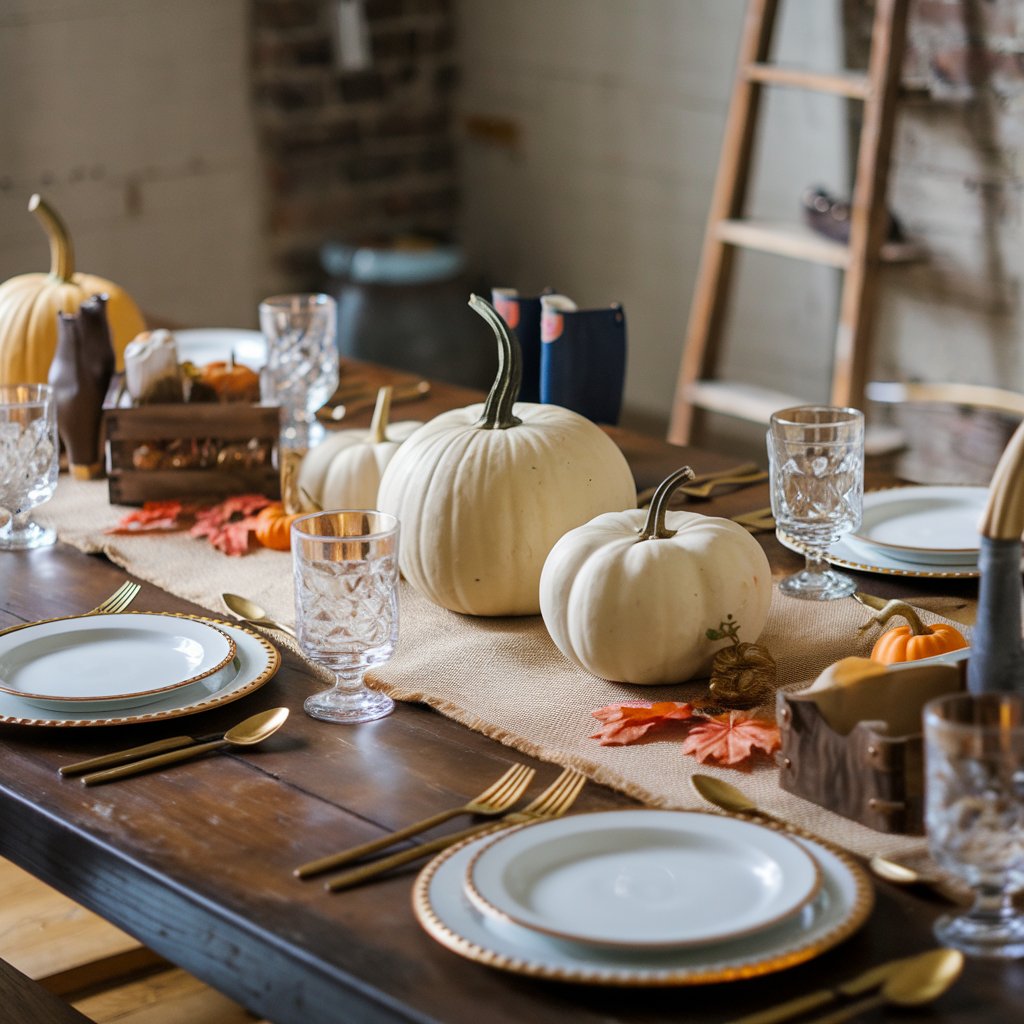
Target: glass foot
{"type": "Point", "coordinates": [999, 937]}
{"type": "Point", "coordinates": [818, 586]}
{"type": "Point", "coordinates": [29, 535]}
{"type": "Point", "coordinates": [343, 706]}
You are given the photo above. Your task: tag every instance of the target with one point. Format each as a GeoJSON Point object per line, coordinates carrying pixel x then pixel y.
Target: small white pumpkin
{"type": "Point", "coordinates": [483, 492]}
{"type": "Point", "coordinates": [344, 470]}
{"type": "Point", "coordinates": [630, 595]}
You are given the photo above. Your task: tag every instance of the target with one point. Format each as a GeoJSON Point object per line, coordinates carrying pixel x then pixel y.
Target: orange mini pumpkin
{"type": "Point", "coordinates": [273, 527]}
{"type": "Point", "coordinates": [231, 381]}
{"type": "Point", "coordinates": [915, 640]}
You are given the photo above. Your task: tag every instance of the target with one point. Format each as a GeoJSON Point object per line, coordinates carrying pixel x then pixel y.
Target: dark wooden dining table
{"type": "Point", "coordinates": [196, 861]}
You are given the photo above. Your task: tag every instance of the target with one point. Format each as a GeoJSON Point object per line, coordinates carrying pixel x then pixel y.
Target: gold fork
{"type": "Point", "coordinates": [708, 480]}
{"type": "Point", "coordinates": [495, 799]}
{"type": "Point", "coordinates": [552, 803]}
{"type": "Point", "coordinates": [118, 600]}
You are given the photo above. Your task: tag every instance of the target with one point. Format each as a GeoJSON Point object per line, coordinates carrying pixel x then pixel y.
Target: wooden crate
{"type": "Point", "coordinates": [190, 451]}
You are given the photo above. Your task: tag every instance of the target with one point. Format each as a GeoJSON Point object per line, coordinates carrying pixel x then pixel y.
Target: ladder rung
{"type": "Point", "coordinates": [851, 84]}
{"type": "Point", "coordinates": [785, 239]}
{"type": "Point", "coordinates": [789, 238]}
{"type": "Point", "coordinates": [744, 401]}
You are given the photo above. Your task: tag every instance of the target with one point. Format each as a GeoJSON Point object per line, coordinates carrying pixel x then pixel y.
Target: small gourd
{"type": "Point", "coordinates": [274, 526]}
{"type": "Point", "coordinates": [913, 641]}
{"type": "Point", "coordinates": [628, 596]}
{"type": "Point", "coordinates": [29, 304]}
{"type": "Point", "coordinates": [483, 493]}
{"type": "Point", "coordinates": [345, 470]}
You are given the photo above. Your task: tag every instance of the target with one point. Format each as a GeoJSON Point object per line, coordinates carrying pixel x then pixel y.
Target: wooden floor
{"type": "Point", "coordinates": [104, 973]}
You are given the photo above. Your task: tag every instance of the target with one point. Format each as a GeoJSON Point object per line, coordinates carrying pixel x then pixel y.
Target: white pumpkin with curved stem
{"type": "Point", "coordinates": [483, 492]}
{"type": "Point", "coordinates": [630, 595]}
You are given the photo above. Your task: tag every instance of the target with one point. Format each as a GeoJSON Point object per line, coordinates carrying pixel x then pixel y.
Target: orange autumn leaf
{"type": "Point", "coordinates": [630, 721]}
{"type": "Point", "coordinates": [732, 739]}
{"type": "Point", "coordinates": [155, 515]}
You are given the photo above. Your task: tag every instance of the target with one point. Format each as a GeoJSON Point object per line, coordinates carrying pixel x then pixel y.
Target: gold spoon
{"type": "Point", "coordinates": [253, 613]}
{"type": "Point", "coordinates": [914, 983]}
{"type": "Point", "coordinates": [726, 796]}
{"type": "Point", "coordinates": [899, 874]}
{"type": "Point", "coordinates": [246, 734]}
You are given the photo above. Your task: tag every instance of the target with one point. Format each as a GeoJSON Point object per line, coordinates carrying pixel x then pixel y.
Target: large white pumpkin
{"type": "Point", "coordinates": [484, 492]}
{"type": "Point", "coordinates": [630, 596]}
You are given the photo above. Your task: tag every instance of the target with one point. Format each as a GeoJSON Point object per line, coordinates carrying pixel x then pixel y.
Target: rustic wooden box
{"type": "Point", "coordinates": [212, 438]}
{"type": "Point", "coordinates": [867, 774]}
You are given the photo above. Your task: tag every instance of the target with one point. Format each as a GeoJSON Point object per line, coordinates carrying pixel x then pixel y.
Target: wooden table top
{"type": "Point", "coordinates": [196, 861]}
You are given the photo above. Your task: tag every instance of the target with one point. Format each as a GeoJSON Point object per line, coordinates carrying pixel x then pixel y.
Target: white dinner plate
{"type": "Point", "coordinates": [445, 911]}
{"type": "Point", "coordinates": [256, 661]}
{"type": "Point", "coordinates": [213, 344]}
{"type": "Point", "coordinates": [112, 662]}
{"type": "Point", "coordinates": [924, 525]}
{"type": "Point", "coordinates": [851, 554]}
{"type": "Point", "coordinates": [641, 880]}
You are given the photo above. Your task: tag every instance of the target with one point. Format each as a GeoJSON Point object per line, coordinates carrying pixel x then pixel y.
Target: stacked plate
{"type": "Point", "coordinates": [112, 669]}
{"type": "Point", "coordinates": [914, 531]}
{"type": "Point", "coordinates": [642, 897]}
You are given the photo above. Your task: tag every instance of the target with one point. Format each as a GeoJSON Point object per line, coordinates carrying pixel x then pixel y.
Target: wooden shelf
{"type": "Point", "coordinates": [851, 84]}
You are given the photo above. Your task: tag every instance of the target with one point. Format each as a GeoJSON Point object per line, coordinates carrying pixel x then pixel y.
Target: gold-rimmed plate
{"type": "Point", "coordinates": [256, 662]}
{"type": "Point", "coordinates": [101, 663]}
{"type": "Point", "coordinates": [448, 916]}
{"type": "Point", "coordinates": [626, 879]}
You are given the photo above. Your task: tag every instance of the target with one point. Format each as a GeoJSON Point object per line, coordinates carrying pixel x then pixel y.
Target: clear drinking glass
{"type": "Point", "coordinates": [28, 462]}
{"type": "Point", "coordinates": [346, 605]}
{"type": "Point", "coordinates": [301, 371]}
{"type": "Point", "coordinates": [974, 811]}
{"type": "Point", "coordinates": [816, 458]}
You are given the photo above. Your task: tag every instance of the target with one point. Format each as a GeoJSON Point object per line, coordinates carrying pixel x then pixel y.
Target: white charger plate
{"type": "Point", "coordinates": [112, 662]}
{"type": "Point", "coordinates": [446, 913]}
{"type": "Point", "coordinates": [924, 525]}
{"type": "Point", "coordinates": [850, 554]}
{"type": "Point", "coordinates": [640, 880]}
{"type": "Point", "coordinates": [256, 662]}
{"type": "Point", "coordinates": [211, 344]}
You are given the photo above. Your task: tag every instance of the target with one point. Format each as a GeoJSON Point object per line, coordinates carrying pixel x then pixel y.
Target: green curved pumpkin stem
{"type": "Point", "coordinates": [654, 527]}
{"type": "Point", "coordinates": [62, 253]}
{"type": "Point", "coordinates": [497, 414]}
{"type": "Point", "coordinates": [381, 411]}
{"type": "Point", "coordinates": [904, 610]}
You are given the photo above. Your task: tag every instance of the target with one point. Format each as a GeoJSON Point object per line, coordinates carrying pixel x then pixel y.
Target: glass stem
{"type": "Point", "coordinates": [814, 562]}
{"type": "Point", "coordinates": [992, 905]}
{"type": "Point", "coordinates": [349, 681]}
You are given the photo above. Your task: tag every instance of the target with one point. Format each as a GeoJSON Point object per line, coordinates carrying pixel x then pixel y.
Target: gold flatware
{"type": "Point", "coordinates": [902, 874]}
{"type": "Point", "coordinates": [253, 614]}
{"type": "Point", "coordinates": [692, 490]}
{"type": "Point", "coordinates": [246, 734]}
{"type": "Point", "coordinates": [555, 801]}
{"type": "Point", "coordinates": [726, 796]}
{"type": "Point", "coordinates": [118, 600]}
{"type": "Point", "coordinates": [918, 981]}
{"type": "Point", "coordinates": [495, 799]}
{"type": "Point", "coordinates": [756, 521]}
{"type": "Point", "coordinates": [367, 399]}
{"type": "Point", "coordinates": [644, 497]}
{"type": "Point", "coordinates": [872, 978]}
{"type": "Point", "coordinates": [135, 753]}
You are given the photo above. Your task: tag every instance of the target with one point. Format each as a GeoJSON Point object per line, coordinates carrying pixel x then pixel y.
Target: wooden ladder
{"type": "Point", "coordinates": [728, 230]}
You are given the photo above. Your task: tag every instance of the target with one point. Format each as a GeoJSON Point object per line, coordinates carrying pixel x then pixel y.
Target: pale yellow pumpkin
{"type": "Point", "coordinates": [344, 470]}
{"type": "Point", "coordinates": [29, 304]}
{"type": "Point", "coordinates": [631, 595]}
{"type": "Point", "coordinates": [484, 492]}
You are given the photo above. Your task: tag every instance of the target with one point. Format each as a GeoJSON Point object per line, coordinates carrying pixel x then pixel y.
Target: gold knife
{"type": "Point", "coordinates": [871, 978]}
{"type": "Point", "coordinates": [124, 756]}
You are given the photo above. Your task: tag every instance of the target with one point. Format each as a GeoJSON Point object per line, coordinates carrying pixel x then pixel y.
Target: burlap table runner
{"type": "Point", "coordinates": [504, 677]}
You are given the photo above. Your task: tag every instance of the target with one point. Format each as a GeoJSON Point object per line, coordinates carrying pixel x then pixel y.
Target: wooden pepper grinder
{"type": "Point", "coordinates": [80, 375]}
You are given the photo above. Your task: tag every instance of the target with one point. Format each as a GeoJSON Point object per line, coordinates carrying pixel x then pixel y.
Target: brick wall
{"type": "Point", "coordinates": [353, 153]}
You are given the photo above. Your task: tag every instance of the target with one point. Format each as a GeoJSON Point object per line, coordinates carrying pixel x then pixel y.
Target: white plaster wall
{"type": "Point", "coordinates": [622, 105]}
{"type": "Point", "coordinates": [132, 117]}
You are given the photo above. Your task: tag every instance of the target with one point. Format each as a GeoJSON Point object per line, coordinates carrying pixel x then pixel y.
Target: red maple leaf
{"type": "Point", "coordinates": [230, 525]}
{"type": "Point", "coordinates": [731, 739]}
{"type": "Point", "coordinates": [630, 721]}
